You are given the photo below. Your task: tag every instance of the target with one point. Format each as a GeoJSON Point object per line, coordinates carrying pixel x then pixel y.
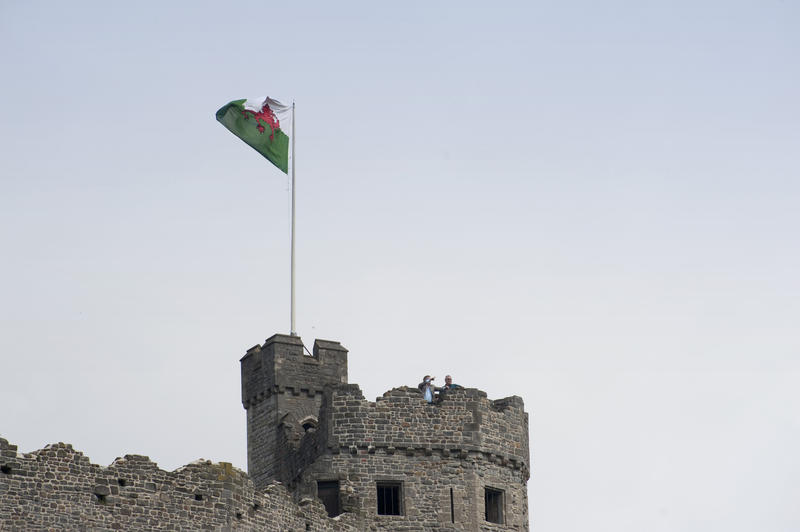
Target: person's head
{"type": "Point", "coordinates": [448, 379]}
{"type": "Point", "coordinates": [426, 378]}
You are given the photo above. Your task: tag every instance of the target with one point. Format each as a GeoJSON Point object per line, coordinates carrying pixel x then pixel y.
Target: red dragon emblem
{"type": "Point", "coordinates": [264, 116]}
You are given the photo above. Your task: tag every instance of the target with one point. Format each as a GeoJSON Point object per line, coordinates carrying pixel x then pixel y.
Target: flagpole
{"type": "Point", "coordinates": [292, 330]}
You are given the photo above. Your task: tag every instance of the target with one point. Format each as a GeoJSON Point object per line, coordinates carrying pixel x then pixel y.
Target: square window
{"type": "Point", "coordinates": [390, 498]}
{"type": "Point", "coordinates": [328, 492]}
{"type": "Point", "coordinates": [494, 505]}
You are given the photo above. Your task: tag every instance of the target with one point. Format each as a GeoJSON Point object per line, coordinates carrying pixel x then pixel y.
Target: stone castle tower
{"type": "Point", "coordinates": [320, 458]}
{"type": "Point", "coordinates": [461, 463]}
{"type": "Point", "coordinates": [282, 391]}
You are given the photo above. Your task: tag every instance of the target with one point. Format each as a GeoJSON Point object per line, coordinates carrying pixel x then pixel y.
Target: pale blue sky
{"type": "Point", "coordinates": [592, 205]}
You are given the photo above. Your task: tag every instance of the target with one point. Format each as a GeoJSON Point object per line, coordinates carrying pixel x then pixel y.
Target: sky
{"type": "Point", "coordinates": [591, 205]}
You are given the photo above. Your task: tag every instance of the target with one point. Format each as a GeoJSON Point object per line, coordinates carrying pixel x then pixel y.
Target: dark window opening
{"type": "Point", "coordinates": [328, 493]}
{"type": "Point", "coordinates": [5, 469]}
{"type": "Point", "coordinates": [390, 498]}
{"type": "Point", "coordinates": [256, 507]}
{"type": "Point", "coordinates": [452, 508]}
{"type": "Point", "coordinates": [122, 482]}
{"type": "Point", "coordinates": [238, 515]}
{"type": "Point", "coordinates": [308, 424]}
{"type": "Point", "coordinates": [494, 505]}
{"type": "Point", "coordinates": [198, 497]}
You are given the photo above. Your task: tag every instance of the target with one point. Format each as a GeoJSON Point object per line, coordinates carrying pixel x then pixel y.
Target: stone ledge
{"type": "Point", "coordinates": [280, 389]}
{"type": "Point", "coordinates": [446, 451]}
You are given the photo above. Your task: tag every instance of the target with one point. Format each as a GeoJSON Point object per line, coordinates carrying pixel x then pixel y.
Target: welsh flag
{"type": "Point", "coordinates": [263, 123]}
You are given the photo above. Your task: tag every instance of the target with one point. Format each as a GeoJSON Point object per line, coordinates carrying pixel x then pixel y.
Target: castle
{"type": "Point", "coordinates": [320, 457]}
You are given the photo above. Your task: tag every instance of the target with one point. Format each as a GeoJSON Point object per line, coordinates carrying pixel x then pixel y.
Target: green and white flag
{"type": "Point", "coordinates": [263, 123]}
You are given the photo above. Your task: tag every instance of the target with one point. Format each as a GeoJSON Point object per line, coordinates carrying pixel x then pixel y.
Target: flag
{"type": "Point", "coordinates": [263, 123]}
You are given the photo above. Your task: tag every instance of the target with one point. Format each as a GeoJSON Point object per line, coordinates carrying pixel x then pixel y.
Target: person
{"type": "Point", "coordinates": [426, 387]}
{"type": "Point", "coordinates": [448, 384]}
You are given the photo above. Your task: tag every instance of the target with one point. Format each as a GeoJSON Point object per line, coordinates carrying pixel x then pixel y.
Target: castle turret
{"type": "Point", "coordinates": [282, 391]}
{"type": "Point", "coordinates": [459, 463]}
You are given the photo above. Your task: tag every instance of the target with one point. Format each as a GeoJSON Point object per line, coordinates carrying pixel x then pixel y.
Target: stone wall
{"type": "Point", "coordinates": [465, 420]}
{"type": "Point", "coordinates": [444, 455]}
{"type": "Point", "coordinates": [58, 488]}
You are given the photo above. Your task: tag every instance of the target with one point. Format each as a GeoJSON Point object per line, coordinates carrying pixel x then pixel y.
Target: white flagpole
{"type": "Point", "coordinates": [292, 330]}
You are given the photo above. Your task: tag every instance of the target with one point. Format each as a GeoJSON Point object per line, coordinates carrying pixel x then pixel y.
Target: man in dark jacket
{"type": "Point", "coordinates": [448, 384]}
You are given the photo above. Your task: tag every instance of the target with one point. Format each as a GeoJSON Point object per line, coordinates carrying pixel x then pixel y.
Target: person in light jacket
{"type": "Point", "coordinates": [426, 387]}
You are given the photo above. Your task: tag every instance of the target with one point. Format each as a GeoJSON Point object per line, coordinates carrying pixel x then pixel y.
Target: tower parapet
{"type": "Point", "coordinates": [464, 421]}
{"type": "Point", "coordinates": [281, 364]}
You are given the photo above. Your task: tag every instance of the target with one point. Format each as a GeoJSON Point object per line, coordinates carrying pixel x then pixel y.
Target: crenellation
{"type": "Point", "coordinates": [58, 487]}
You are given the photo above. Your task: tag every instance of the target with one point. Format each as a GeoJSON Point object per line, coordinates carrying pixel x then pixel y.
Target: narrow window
{"type": "Point", "coordinates": [494, 505]}
{"type": "Point", "coordinates": [328, 493]}
{"type": "Point", "coordinates": [389, 498]}
{"type": "Point", "coordinates": [452, 508]}
{"type": "Point", "coordinates": [309, 423]}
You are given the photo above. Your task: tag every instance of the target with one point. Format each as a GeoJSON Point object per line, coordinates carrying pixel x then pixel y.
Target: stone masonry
{"type": "Point", "coordinates": [306, 425]}
{"type": "Point", "coordinates": [57, 488]}
{"type": "Point", "coordinates": [461, 463]}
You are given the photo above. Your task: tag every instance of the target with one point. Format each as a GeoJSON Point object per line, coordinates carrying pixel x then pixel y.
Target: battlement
{"type": "Point", "coordinates": [464, 421]}
{"type": "Point", "coordinates": [59, 488]}
{"type": "Point", "coordinates": [281, 364]}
